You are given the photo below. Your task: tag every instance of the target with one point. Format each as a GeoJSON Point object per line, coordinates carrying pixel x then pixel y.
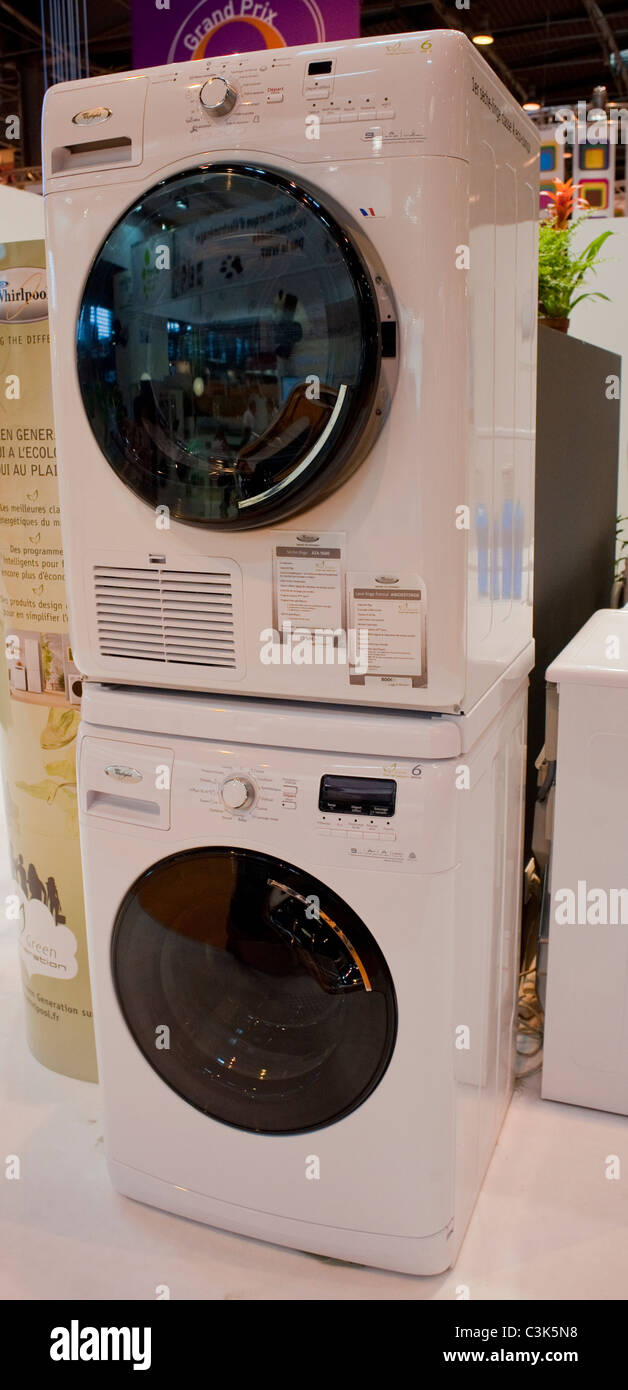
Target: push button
{"type": "Point", "coordinates": [317, 90]}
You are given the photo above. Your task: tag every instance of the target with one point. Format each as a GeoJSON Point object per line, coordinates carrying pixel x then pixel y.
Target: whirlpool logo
{"type": "Point", "coordinates": [23, 295]}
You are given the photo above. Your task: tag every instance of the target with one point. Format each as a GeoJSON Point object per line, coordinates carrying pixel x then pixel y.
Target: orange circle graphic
{"type": "Point", "coordinates": [272, 38]}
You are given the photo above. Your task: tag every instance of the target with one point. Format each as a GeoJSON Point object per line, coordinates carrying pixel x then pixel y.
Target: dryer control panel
{"type": "Point", "coordinates": [357, 100]}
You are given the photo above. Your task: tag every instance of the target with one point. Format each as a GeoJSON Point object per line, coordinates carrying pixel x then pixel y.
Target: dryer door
{"type": "Point", "coordinates": [254, 991]}
{"type": "Point", "coordinates": [231, 354]}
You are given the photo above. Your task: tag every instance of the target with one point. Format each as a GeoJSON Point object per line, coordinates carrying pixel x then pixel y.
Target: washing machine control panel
{"type": "Point", "coordinates": [307, 805]}
{"type": "Point", "coordinates": [339, 813]}
{"type": "Point", "coordinates": [326, 809]}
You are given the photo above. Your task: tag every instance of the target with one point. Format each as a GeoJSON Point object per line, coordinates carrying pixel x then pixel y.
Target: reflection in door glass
{"type": "Point", "coordinates": [224, 345]}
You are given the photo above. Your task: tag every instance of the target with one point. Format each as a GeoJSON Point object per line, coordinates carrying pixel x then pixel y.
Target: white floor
{"type": "Point", "coordinates": [548, 1223]}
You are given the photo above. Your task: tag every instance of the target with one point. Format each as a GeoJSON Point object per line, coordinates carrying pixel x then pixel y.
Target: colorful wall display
{"type": "Point", "coordinates": [552, 163]}
{"type": "Point", "coordinates": [186, 30]}
{"type": "Point", "coordinates": [594, 172]}
{"type": "Point", "coordinates": [40, 686]}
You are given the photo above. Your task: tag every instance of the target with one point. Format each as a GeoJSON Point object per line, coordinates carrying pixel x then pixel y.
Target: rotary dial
{"type": "Point", "coordinates": [218, 97]}
{"type": "Point", "coordinates": [238, 793]}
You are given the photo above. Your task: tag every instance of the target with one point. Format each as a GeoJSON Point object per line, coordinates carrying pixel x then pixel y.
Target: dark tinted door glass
{"type": "Point", "coordinates": [228, 347]}
{"type": "Point", "coordinates": [279, 1004]}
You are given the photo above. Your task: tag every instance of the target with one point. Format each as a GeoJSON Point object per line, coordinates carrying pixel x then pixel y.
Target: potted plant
{"type": "Point", "coordinates": [561, 271]}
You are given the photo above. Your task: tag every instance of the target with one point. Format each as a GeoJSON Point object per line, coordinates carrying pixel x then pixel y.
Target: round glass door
{"type": "Point", "coordinates": [254, 991]}
{"type": "Point", "coordinates": [229, 348]}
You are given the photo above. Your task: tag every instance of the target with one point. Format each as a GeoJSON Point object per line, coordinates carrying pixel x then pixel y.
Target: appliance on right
{"type": "Point", "coordinates": [586, 1008]}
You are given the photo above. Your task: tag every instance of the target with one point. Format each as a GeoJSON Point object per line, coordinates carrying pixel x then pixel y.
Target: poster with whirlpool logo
{"type": "Point", "coordinates": [170, 33]}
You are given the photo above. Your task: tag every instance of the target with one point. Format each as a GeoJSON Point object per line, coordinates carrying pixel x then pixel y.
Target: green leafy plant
{"type": "Point", "coordinates": [561, 272]}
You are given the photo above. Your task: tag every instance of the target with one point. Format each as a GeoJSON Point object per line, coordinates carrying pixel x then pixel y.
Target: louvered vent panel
{"type": "Point", "coordinates": [179, 616]}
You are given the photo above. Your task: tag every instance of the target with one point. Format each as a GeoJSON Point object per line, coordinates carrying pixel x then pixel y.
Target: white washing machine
{"type": "Point", "coordinates": [293, 312]}
{"type": "Point", "coordinates": [303, 938]}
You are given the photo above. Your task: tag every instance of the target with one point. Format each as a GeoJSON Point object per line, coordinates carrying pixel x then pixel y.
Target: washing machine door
{"type": "Point", "coordinates": [233, 348]}
{"type": "Point", "coordinates": [254, 991]}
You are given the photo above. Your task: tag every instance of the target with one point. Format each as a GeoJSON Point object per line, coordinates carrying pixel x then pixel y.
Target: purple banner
{"type": "Point", "coordinates": [187, 29]}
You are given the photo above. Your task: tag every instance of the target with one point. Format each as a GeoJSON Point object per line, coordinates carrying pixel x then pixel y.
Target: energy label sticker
{"type": "Point", "coordinates": [388, 612]}
{"type": "Point", "coordinates": [307, 581]}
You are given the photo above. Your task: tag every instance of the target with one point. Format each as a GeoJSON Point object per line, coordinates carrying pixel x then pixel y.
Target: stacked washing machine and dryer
{"type": "Point", "coordinates": [294, 315]}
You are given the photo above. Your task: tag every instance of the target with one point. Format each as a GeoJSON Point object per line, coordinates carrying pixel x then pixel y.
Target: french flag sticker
{"type": "Point", "coordinates": [368, 212]}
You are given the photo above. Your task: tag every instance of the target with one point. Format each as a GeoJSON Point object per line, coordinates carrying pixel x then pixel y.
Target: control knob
{"type": "Point", "coordinates": [238, 793]}
{"type": "Point", "coordinates": [218, 97]}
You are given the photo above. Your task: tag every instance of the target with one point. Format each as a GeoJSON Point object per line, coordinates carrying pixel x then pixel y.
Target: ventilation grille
{"type": "Point", "coordinates": [178, 616]}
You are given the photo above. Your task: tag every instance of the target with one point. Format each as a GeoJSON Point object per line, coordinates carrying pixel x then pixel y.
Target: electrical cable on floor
{"type": "Point", "coordinates": [530, 1017]}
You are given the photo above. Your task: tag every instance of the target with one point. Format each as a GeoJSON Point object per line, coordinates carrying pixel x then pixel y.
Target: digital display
{"type": "Point", "coordinates": [358, 796]}
{"type": "Point", "coordinates": [318, 69]}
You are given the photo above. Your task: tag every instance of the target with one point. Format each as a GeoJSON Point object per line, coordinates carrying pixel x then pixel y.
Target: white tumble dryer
{"type": "Point", "coordinates": [293, 311]}
{"type": "Point", "coordinates": [303, 939]}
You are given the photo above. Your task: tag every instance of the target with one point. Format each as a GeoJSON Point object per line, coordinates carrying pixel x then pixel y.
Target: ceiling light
{"type": "Point", "coordinates": [531, 104]}
{"type": "Point", "coordinates": [482, 35]}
